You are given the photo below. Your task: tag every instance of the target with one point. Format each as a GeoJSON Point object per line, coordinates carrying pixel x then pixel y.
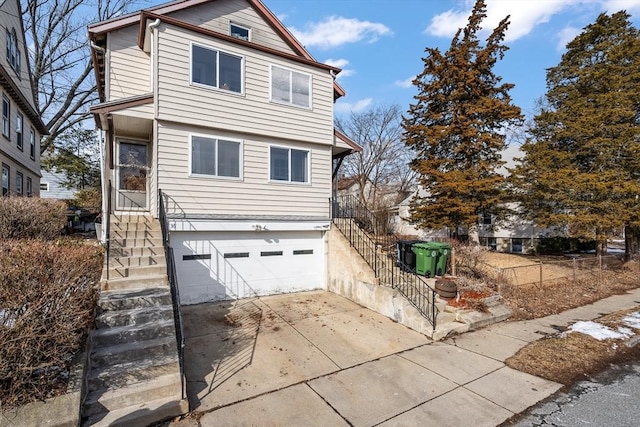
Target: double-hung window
{"type": "Point", "coordinates": [217, 69]}
{"type": "Point", "coordinates": [215, 157]}
{"type": "Point", "coordinates": [29, 187]}
{"type": "Point", "coordinates": [19, 134]}
{"type": "Point", "coordinates": [5, 180]}
{"type": "Point", "coordinates": [19, 182]}
{"type": "Point", "coordinates": [13, 53]}
{"type": "Point", "coordinates": [32, 144]}
{"type": "Point", "coordinates": [6, 116]}
{"type": "Point", "coordinates": [288, 164]}
{"type": "Point", "coordinates": [290, 87]}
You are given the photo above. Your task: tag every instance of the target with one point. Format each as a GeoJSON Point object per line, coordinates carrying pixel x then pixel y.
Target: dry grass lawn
{"type": "Point", "coordinates": [564, 358]}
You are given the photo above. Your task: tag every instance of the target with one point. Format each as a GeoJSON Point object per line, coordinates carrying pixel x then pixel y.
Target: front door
{"type": "Point", "coordinates": [131, 176]}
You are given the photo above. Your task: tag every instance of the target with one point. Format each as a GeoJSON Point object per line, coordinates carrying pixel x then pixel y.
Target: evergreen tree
{"type": "Point", "coordinates": [456, 129]}
{"type": "Point", "coordinates": [581, 166]}
{"type": "Point", "coordinates": [77, 157]}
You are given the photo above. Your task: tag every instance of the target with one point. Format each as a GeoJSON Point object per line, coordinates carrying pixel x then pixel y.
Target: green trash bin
{"type": "Point", "coordinates": [426, 258]}
{"type": "Point", "coordinates": [444, 251]}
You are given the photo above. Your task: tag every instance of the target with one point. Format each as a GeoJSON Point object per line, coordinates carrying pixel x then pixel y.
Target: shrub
{"type": "Point", "coordinates": [31, 218]}
{"type": "Point", "coordinates": [48, 292]}
{"type": "Point", "coordinates": [89, 198]}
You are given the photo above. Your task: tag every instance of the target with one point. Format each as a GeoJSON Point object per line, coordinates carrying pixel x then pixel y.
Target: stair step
{"type": "Point", "coordinates": [135, 261]}
{"type": "Point", "coordinates": [136, 234]}
{"type": "Point", "coordinates": [135, 226]}
{"type": "Point", "coordinates": [134, 316]}
{"type": "Point", "coordinates": [132, 218]}
{"type": "Point", "coordinates": [153, 242]}
{"type": "Point", "coordinates": [131, 283]}
{"type": "Point", "coordinates": [107, 400]}
{"type": "Point", "coordinates": [118, 251]}
{"type": "Point", "coordinates": [142, 415]}
{"type": "Point", "coordinates": [128, 352]}
{"type": "Point", "coordinates": [123, 334]}
{"type": "Point", "coordinates": [135, 271]}
{"type": "Point", "coordinates": [128, 373]}
{"type": "Point", "coordinates": [119, 300]}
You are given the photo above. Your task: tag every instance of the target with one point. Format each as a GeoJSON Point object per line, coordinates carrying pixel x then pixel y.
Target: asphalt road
{"type": "Point", "coordinates": [611, 399]}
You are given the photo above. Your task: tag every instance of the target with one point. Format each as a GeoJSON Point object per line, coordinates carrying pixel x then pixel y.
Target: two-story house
{"type": "Point", "coordinates": [21, 124]}
{"type": "Point", "coordinates": [214, 109]}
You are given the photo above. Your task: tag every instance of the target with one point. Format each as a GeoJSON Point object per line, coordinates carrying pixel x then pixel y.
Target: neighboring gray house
{"type": "Point", "coordinates": [51, 187]}
{"type": "Point", "coordinates": [217, 105]}
{"type": "Point", "coordinates": [21, 124]}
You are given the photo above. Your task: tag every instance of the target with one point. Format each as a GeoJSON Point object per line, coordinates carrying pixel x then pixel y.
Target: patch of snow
{"type": "Point", "coordinates": [598, 331]}
{"type": "Point", "coordinates": [632, 320]}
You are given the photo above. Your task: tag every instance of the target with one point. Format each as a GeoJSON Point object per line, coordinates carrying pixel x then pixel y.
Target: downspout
{"type": "Point", "coordinates": [103, 186]}
{"type": "Point", "coordinates": [154, 139]}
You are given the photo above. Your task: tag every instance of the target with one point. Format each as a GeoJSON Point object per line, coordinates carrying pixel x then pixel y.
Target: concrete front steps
{"type": "Point", "coordinates": [134, 376]}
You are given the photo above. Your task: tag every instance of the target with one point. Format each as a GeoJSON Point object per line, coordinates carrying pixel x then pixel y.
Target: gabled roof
{"type": "Point", "coordinates": [98, 30]}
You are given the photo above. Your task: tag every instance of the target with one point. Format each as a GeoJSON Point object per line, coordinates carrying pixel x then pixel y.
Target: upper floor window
{"type": "Point", "coordinates": [44, 186]}
{"type": "Point", "coordinates": [32, 144]}
{"type": "Point", "coordinates": [217, 69]}
{"type": "Point", "coordinates": [19, 181]}
{"type": "Point", "coordinates": [288, 164]}
{"type": "Point", "coordinates": [19, 134]}
{"type": "Point", "coordinates": [215, 157]}
{"type": "Point", "coordinates": [29, 187]}
{"type": "Point", "coordinates": [13, 53]}
{"type": "Point", "coordinates": [290, 87]}
{"type": "Point", "coordinates": [5, 180]}
{"type": "Point", "coordinates": [6, 114]}
{"type": "Point", "coordinates": [239, 31]}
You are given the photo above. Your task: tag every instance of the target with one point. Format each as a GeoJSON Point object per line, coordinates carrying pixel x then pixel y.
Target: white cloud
{"type": "Point", "coordinates": [406, 83]}
{"type": "Point", "coordinates": [336, 31]}
{"type": "Point", "coordinates": [525, 15]}
{"type": "Point", "coordinates": [565, 36]}
{"type": "Point", "coordinates": [613, 6]}
{"type": "Point", "coordinates": [341, 63]}
{"type": "Point", "coordinates": [348, 107]}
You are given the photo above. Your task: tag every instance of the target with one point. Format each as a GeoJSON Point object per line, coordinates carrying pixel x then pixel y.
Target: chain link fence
{"type": "Point", "coordinates": [547, 271]}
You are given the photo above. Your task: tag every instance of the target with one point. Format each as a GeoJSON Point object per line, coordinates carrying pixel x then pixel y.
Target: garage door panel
{"type": "Point", "coordinates": [246, 264]}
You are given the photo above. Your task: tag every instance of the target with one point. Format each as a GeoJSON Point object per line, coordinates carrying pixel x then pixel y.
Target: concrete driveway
{"type": "Point", "coordinates": [317, 359]}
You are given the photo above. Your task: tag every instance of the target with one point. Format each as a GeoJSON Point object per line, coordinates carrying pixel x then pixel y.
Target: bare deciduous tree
{"type": "Point", "coordinates": [381, 168]}
{"type": "Point", "coordinates": [60, 59]}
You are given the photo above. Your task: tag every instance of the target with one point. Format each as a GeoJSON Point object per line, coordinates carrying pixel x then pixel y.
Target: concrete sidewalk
{"type": "Point", "coordinates": [317, 359]}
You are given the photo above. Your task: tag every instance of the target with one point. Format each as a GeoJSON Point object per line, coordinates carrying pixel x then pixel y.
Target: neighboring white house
{"type": "Point", "coordinates": [218, 106]}
{"type": "Point", "coordinates": [21, 124]}
{"type": "Point", "coordinates": [514, 234]}
{"type": "Point", "coordinates": [52, 186]}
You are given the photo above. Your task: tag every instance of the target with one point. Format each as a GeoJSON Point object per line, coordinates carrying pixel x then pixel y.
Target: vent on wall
{"type": "Point", "coordinates": [303, 252]}
{"type": "Point", "coordinates": [195, 257]}
{"type": "Point", "coordinates": [237, 255]}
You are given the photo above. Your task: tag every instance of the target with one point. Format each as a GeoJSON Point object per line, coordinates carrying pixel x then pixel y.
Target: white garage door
{"type": "Point", "coordinates": [215, 266]}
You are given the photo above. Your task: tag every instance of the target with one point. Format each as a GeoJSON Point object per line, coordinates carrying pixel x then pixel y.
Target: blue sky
{"type": "Point", "coordinates": [380, 43]}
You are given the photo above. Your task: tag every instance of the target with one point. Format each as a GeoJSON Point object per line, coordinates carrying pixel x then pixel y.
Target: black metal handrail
{"type": "Point", "coordinates": [107, 225]}
{"type": "Point", "coordinates": [369, 236]}
{"type": "Point", "coordinates": [173, 285]}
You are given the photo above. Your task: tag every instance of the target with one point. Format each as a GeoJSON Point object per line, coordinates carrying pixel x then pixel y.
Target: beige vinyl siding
{"type": "Point", "coordinates": [26, 173]}
{"type": "Point", "coordinates": [217, 15]}
{"type": "Point", "coordinates": [130, 67]}
{"type": "Point", "coordinates": [254, 194]}
{"type": "Point", "coordinates": [180, 101]}
{"type": "Point", "coordinates": [10, 18]}
{"type": "Point", "coordinates": [10, 146]}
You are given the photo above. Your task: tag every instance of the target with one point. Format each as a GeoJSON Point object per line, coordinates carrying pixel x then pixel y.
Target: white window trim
{"type": "Point", "coordinates": [8, 118]}
{"type": "Point", "coordinates": [216, 88]}
{"type": "Point", "coordinates": [290, 104]}
{"type": "Point", "coordinates": [244, 27]}
{"type": "Point", "coordinates": [240, 176]}
{"type": "Point", "coordinates": [289, 182]}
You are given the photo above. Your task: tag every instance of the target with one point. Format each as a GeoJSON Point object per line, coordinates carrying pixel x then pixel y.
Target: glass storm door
{"type": "Point", "coordinates": [131, 170]}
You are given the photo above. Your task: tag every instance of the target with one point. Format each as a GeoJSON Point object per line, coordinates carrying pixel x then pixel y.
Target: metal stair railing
{"type": "Point", "coordinates": [173, 285]}
{"type": "Point", "coordinates": [369, 237]}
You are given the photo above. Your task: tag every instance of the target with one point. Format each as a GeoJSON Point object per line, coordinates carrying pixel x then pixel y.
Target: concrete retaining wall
{"type": "Point", "coordinates": [351, 277]}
